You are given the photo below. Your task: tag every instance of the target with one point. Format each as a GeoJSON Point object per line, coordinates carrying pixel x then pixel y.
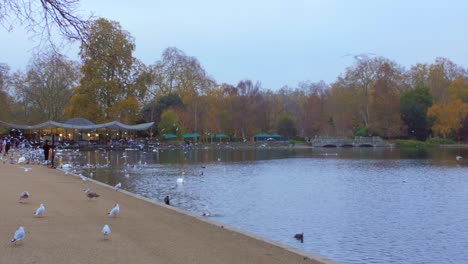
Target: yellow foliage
{"type": "Point", "coordinates": [448, 118]}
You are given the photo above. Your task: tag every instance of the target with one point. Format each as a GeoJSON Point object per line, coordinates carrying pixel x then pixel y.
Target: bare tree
{"type": "Point", "coordinates": [42, 17]}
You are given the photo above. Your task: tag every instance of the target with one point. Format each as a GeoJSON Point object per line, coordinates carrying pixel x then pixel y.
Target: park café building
{"type": "Point", "coordinates": [79, 130]}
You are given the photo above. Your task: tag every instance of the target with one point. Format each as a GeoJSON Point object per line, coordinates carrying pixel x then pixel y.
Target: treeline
{"type": "Point", "coordinates": [374, 96]}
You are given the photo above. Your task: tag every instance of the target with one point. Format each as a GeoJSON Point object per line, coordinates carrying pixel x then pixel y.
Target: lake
{"type": "Point", "coordinates": [354, 205]}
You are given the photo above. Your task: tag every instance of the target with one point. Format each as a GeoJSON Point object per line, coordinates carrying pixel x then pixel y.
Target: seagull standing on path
{"type": "Point", "coordinates": [19, 235]}
{"type": "Point", "coordinates": [24, 196]}
{"type": "Point", "coordinates": [118, 186]}
{"type": "Point", "coordinates": [114, 210]}
{"type": "Point", "coordinates": [106, 231]}
{"type": "Point", "coordinates": [40, 211]}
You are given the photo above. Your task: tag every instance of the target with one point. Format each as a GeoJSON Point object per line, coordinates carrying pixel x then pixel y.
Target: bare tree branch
{"type": "Point", "coordinates": [44, 17]}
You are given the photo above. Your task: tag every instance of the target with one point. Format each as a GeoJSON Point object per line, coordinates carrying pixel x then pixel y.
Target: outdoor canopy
{"type": "Point", "coordinates": [81, 124]}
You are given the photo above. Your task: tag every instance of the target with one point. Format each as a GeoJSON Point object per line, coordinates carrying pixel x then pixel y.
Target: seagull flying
{"type": "Point", "coordinates": [114, 210]}
{"type": "Point", "coordinates": [40, 211]}
{"type": "Point", "coordinates": [118, 186]}
{"type": "Point", "coordinates": [90, 194]}
{"type": "Point", "coordinates": [19, 235]}
{"type": "Point", "coordinates": [24, 195]}
{"type": "Point", "coordinates": [106, 231]}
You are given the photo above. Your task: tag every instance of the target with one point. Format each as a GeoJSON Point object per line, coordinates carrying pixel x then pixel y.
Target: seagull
{"type": "Point", "coordinates": [114, 210]}
{"type": "Point", "coordinates": [458, 157]}
{"type": "Point", "coordinates": [106, 231]}
{"type": "Point", "coordinates": [19, 235]}
{"type": "Point", "coordinates": [91, 194]}
{"type": "Point", "coordinates": [24, 195]}
{"type": "Point", "coordinates": [21, 160]}
{"type": "Point", "coordinates": [180, 180]}
{"type": "Point", "coordinates": [118, 186]}
{"type": "Point", "coordinates": [40, 211]}
{"type": "Point", "coordinates": [300, 237]}
{"type": "Point", "coordinates": [83, 178]}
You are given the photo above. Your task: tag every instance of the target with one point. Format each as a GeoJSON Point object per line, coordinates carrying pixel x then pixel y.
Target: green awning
{"type": "Point", "coordinates": [262, 135]}
{"type": "Point", "coordinates": [219, 136]}
{"type": "Point", "coordinates": [191, 135]}
{"type": "Point", "coordinates": [169, 136]}
{"type": "Point", "coordinates": [275, 136]}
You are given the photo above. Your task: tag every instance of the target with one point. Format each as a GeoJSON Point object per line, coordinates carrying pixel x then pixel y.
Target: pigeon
{"type": "Point", "coordinates": [40, 211]}
{"type": "Point", "coordinates": [114, 210]}
{"type": "Point", "coordinates": [90, 194]}
{"type": "Point", "coordinates": [19, 235]}
{"type": "Point", "coordinates": [106, 231]}
{"type": "Point", "coordinates": [118, 186]}
{"type": "Point", "coordinates": [24, 195]}
{"type": "Point", "coordinates": [300, 237]}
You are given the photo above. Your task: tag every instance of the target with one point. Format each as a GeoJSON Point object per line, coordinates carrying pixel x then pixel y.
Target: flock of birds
{"type": "Point", "coordinates": [20, 233]}
{"type": "Point", "coordinates": [35, 156]}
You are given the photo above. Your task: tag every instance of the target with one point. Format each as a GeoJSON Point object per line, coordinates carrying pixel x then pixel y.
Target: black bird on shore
{"type": "Point", "coordinates": [167, 200]}
{"type": "Point", "coordinates": [300, 237]}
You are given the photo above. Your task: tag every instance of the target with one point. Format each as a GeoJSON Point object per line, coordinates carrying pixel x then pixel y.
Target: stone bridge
{"type": "Point", "coordinates": [348, 142]}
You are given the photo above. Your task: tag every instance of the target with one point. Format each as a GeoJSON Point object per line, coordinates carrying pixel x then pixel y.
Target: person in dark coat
{"type": "Point", "coordinates": [46, 148]}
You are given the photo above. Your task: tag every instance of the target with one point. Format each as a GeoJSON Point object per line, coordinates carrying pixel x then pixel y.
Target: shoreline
{"type": "Point", "coordinates": [145, 232]}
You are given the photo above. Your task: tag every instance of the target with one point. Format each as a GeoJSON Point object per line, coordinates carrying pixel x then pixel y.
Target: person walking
{"type": "Point", "coordinates": [46, 148]}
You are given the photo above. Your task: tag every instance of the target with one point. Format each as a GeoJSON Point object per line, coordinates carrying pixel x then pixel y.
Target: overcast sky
{"type": "Point", "coordinates": [277, 42]}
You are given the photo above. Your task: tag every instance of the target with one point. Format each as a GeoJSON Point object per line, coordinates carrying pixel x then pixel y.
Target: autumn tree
{"type": "Point", "coordinates": [448, 117]}
{"type": "Point", "coordinates": [111, 87]}
{"type": "Point", "coordinates": [181, 74]}
{"type": "Point", "coordinates": [5, 99]}
{"type": "Point", "coordinates": [385, 104]}
{"type": "Point", "coordinates": [47, 85]}
{"type": "Point", "coordinates": [413, 107]}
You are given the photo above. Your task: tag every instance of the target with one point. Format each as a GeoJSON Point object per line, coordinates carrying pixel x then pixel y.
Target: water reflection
{"type": "Point", "coordinates": [353, 205]}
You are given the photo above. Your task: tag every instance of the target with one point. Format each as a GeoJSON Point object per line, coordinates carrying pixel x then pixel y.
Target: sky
{"type": "Point", "coordinates": [276, 42]}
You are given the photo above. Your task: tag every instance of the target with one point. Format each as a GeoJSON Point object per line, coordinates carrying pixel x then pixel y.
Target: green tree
{"type": "Point", "coordinates": [413, 107]}
{"type": "Point", "coordinates": [169, 123]}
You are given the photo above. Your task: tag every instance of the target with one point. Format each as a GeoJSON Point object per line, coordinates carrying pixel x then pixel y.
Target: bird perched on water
{"type": "Point", "coordinates": [106, 231]}
{"type": "Point", "coordinates": [90, 194]}
{"type": "Point", "coordinates": [458, 157]}
{"type": "Point", "coordinates": [19, 235]}
{"type": "Point", "coordinates": [114, 211]}
{"type": "Point", "coordinates": [24, 196]}
{"type": "Point", "coordinates": [300, 237]}
{"type": "Point", "coordinates": [40, 211]}
{"type": "Point", "coordinates": [118, 186]}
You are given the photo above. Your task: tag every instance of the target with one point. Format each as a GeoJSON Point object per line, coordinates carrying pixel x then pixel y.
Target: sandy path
{"type": "Point", "coordinates": [143, 232]}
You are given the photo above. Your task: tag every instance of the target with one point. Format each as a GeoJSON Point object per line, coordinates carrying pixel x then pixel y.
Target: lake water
{"type": "Point", "coordinates": [358, 205]}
